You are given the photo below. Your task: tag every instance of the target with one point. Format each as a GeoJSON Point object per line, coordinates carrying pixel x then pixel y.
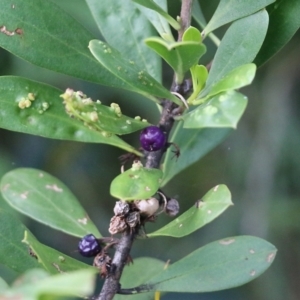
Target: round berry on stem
{"type": "Point", "coordinates": [89, 246]}
{"type": "Point", "coordinates": [152, 138]}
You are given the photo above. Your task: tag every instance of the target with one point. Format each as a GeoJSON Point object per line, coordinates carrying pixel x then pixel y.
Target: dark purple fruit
{"type": "Point", "coordinates": [89, 246]}
{"type": "Point", "coordinates": [152, 138]}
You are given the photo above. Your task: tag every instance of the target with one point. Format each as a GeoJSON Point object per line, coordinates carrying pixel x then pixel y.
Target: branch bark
{"type": "Point", "coordinates": [111, 285]}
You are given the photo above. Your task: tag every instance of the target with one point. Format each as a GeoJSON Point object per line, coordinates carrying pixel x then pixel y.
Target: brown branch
{"type": "Point", "coordinates": [111, 285]}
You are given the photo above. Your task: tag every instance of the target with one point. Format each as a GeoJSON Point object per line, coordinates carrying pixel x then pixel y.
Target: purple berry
{"type": "Point", "coordinates": [152, 138]}
{"type": "Point", "coordinates": [89, 246]}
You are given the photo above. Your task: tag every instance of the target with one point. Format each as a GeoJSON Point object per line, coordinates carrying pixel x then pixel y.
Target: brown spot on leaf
{"type": "Point", "coordinates": [270, 257]}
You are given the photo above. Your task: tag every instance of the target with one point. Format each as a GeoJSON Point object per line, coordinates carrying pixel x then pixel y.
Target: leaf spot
{"type": "Point", "coordinates": [41, 175]}
{"type": "Point", "coordinates": [227, 242]}
{"type": "Point", "coordinates": [24, 195]}
{"type": "Point", "coordinates": [5, 187]}
{"type": "Point", "coordinates": [251, 251]}
{"type": "Point", "coordinates": [82, 221]}
{"type": "Point", "coordinates": [210, 110]}
{"type": "Point", "coordinates": [270, 257]}
{"type": "Point", "coordinates": [147, 189]}
{"type": "Point", "coordinates": [216, 188]}
{"type": "Point", "coordinates": [180, 225]}
{"type": "Point", "coordinates": [209, 211]}
{"type": "Point", "coordinates": [252, 273]}
{"type": "Point", "coordinates": [54, 187]}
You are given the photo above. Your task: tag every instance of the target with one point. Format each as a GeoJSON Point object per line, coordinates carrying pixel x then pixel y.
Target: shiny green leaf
{"type": "Point", "coordinates": [46, 115]}
{"type": "Point", "coordinates": [129, 72]}
{"type": "Point", "coordinates": [158, 21]}
{"type": "Point", "coordinates": [284, 22]}
{"type": "Point", "coordinates": [235, 79]}
{"type": "Point", "coordinates": [220, 265]}
{"type": "Point", "coordinates": [46, 199]}
{"type": "Point", "coordinates": [181, 56]}
{"type": "Point", "coordinates": [52, 260]}
{"type": "Point", "coordinates": [231, 10]}
{"type": "Point", "coordinates": [135, 184]}
{"type": "Point", "coordinates": [223, 110]}
{"type": "Point", "coordinates": [124, 27]}
{"type": "Point", "coordinates": [214, 203]}
{"type": "Point", "coordinates": [152, 5]}
{"type": "Point", "coordinates": [36, 284]}
{"type": "Point", "coordinates": [199, 76]}
{"type": "Point", "coordinates": [38, 33]}
{"type": "Point", "coordinates": [136, 274]}
{"type": "Point", "coordinates": [193, 144]}
{"type": "Point", "coordinates": [239, 46]}
{"type": "Point", "coordinates": [14, 254]}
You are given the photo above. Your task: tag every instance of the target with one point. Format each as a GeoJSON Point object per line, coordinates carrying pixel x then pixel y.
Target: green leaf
{"type": "Point", "coordinates": [136, 274]}
{"type": "Point", "coordinates": [219, 265]}
{"type": "Point", "coordinates": [124, 27]}
{"type": "Point", "coordinates": [37, 283]}
{"type": "Point", "coordinates": [231, 10]}
{"type": "Point", "coordinates": [46, 199]}
{"type": "Point", "coordinates": [14, 254]}
{"type": "Point", "coordinates": [152, 5]}
{"type": "Point", "coordinates": [223, 110]}
{"type": "Point", "coordinates": [52, 260]}
{"type": "Point", "coordinates": [38, 31]}
{"type": "Point", "coordinates": [136, 183]}
{"type": "Point", "coordinates": [181, 56]}
{"type": "Point", "coordinates": [158, 22]}
{"type": "Point", "coordinates": [51, 122]}
{"type": "Point", "coordinates": [199, 76]}
{"type": "Point", "coordinates": [239, 46]}
{"type": "Point", "coordinates": [125, 69]}
{"type": "Point", "coordinates": [235, 79]}
{"type": "Point", "coordinates": [214, 203]}
{"type": "Point", "coordinates": [100, 117]}
{"type": "Point", "coordinates": [284, 22]}
{"type": "Point", "coordinates": [193, 144]}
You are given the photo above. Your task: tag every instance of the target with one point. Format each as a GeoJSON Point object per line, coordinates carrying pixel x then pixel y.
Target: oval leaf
{"type": "Point", "coordinates": [181, 56]}
{"type": "Point", "coordinates": [239, 46]}
{"type": "Point", "coordinates": [235, 79]}
{"type": "Point", "coordinates": [193, 144]}
{"type": "Point", "coordinates": [46, 115]}
{"type": "Point", "coordinates": [284, 22]}
{"type": "Point", "coordinates": [217, 266]}
{"type": "Point", "coordinates": [128, 72]}
{"type": "Point", "coordinates": [214, 203]}
{"type": "Point", "coordinates": [223, 110]}
{"type": "Point", "coordinates": [14, 254]}
{"type": "Point", "coordinates": [136, 184]}
{"type": "Point", "coordinates": [33, 35]}
{"type": "Point", "coordinates": [231, 10]}
{"type": "Point", "coordinates": [52, 260]}
{"type": "Point", "coordinates": [47, 200]}
{"type": "Point", "coordinates": [110, 16]}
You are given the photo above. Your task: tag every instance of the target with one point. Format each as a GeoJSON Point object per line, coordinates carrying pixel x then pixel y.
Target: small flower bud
{"type": "Point", "coordinates": [117, 225]}
{"type": "Point", "coordinates": [147, 207]}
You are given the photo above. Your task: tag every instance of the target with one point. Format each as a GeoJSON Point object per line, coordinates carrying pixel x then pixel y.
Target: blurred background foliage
{"type": "Point", "coordinates": [259, 162]}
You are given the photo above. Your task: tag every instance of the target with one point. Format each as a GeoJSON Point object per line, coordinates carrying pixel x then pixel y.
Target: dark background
{"type": "Point", "coordinates": [259, 162]}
